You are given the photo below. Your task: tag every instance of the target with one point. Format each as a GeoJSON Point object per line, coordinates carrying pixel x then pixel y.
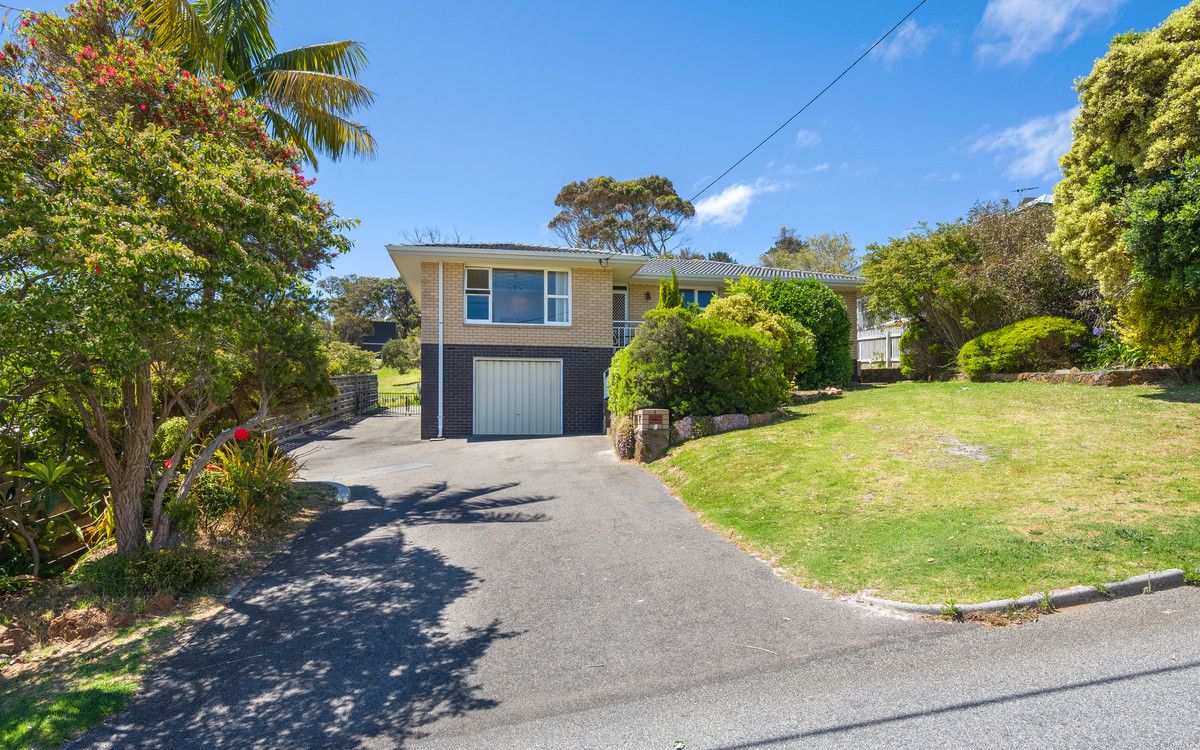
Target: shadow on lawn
{"type": "Point", "coordinates": [339, 640]}
{"type": "Point", "coordinates": [1180, 394]}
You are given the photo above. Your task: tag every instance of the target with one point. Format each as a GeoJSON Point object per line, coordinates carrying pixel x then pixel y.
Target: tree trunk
{"type": "Point", "coordinates": [126, 499]}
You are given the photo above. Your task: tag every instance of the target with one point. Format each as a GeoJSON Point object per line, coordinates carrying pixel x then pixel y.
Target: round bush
{"type": "Point", "coordinates": [819, 309]}
{"type": "Point", "coordinates": [1029, 345]}
{"type": "Point", "coordinates": [693, 364]}
{"type": "Point", "coordinates": [402, 354]}
{"type": "Point", "coordinates": [797, 345]}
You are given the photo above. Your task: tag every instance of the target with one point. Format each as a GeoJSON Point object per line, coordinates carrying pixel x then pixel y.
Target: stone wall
{"type": "Point", "coordinates": [1111, 378]}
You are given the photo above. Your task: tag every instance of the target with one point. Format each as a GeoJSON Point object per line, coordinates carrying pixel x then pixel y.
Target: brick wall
{"type": "Point", "coordinates": [591, 311]}
{"type": "Point", "coordinates": [583, 386]}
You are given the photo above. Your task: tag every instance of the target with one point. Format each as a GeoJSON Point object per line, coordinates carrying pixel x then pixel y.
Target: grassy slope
{"type": "Point", "coordinates": [393, 380]}
{"type": "Point", "coordinates": [1084, 485]}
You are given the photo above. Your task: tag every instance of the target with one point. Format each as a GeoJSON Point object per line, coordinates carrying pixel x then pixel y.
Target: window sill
{"type": "Point", "coordinates": [516, 325]}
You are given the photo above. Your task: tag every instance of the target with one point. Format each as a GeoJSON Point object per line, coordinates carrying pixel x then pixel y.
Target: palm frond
{"type": "Point", "coordinates": [327, 132]}
{"type": "Point", "coordinates": [345, 58]}
{"type": "Point", "coordinates": [287, 132]}
{"type": "Point", "coordinates": [175, 25]}
{"type": "Point", "coordinates": [334, 94]}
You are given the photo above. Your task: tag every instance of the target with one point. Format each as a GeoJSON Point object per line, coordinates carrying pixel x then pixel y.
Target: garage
{"type": "Point", "coordinates": [517, 396]}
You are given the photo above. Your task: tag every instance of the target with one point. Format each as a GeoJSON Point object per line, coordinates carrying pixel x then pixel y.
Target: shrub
{"type": "Point", "coordinates": [174, 571]}
{"type": "Point", "coordinates": [668, 292]}
{"type": "Point", "coordinates": [259, 476]}
{"type": "Point", "coordinates": [923, 356]}
{"type": "Point", "coordinates": [819, 309]}
{"type": "Point", "coordinates": [211, 497]}
{"type": "Point", "coordinates": [1025, 346]}
{"type": "Point", "coordinates": [168, 436]}
{"type": "Point", "coordinates": [693, 364]}
{"type": "Point", "coordinates": [797, 345]}
{"type": "Point", "coordinates": [402, 354]}
{"type": "Point", "coordinates": [348, 359]}
{"type": "Point", "coordinates": [1164, 322]}
{"type": "Point", "coordinates": [623, 436]}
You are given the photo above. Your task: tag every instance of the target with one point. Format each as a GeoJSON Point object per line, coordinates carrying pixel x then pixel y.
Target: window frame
{"type": "Point", "coordinates": [546, 296]}
{"type": "Point", "coordinates": [695, 290]}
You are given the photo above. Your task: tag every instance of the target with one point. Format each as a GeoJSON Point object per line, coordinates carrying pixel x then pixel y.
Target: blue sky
{"type": "Point", "coordinates": [484, 110]}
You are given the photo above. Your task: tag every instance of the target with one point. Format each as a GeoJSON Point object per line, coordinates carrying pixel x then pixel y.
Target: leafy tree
{"type": "Point", "coordinates": [348, 359]}
{"type": "Point", "coordinates": [826, 253]}
{"type": "Point", "coordinates": [720, 256]}
{"type": "Point", "coordinates": [308, 94]}
{"type": "Point", "coordinates": [635, 216]}
{"type": "Point", "coordinates": [402, 354]}
{"type": "Point", "coordinates": [668, 292]}
{"type": "Point", "coordinates": [353, 302]}
{"type": "Point", "coordinates": [1137, 128]}
{"type": "Point", "coordinates": [154, 247]}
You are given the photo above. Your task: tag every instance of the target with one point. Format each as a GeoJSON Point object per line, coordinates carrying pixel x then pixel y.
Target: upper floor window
{"type": "Point", "coordinates": [700, 296]}
{"type": "Point", "coordinates": [518, 296]}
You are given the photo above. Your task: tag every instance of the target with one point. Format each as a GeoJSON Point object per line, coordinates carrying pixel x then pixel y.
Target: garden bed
{"type": "Point", "coordinates": [930, 492]}
{"type": "Point", "coordinates": [89, 651]}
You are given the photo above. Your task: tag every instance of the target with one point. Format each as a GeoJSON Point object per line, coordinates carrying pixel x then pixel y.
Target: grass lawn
{"type": "Point", "coordinates": [959, 491]}
{"type": "Point", "coordinates": [391, 379]}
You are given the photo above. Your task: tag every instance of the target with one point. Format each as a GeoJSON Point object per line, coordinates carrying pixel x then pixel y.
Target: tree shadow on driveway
{"type": "Point", "coordinates": [341, 640]}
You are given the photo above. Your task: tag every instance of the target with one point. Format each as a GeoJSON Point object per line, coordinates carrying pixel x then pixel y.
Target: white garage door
{"type": "Point", "coordinates": [518, 397]}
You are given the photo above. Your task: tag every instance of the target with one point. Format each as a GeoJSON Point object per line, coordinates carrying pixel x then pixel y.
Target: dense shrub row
{"type": "Point", "coordinates": [1031, 345]}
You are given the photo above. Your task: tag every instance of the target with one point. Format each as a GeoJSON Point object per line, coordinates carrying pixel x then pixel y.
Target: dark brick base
{"type": "Point", "coordinates": [583, 385]}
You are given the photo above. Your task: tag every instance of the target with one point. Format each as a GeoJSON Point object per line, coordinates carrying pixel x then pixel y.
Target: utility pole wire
{"type": "Point", "coordinates": [809, 103]}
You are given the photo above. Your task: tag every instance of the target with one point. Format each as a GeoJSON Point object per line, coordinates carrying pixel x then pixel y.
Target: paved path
{"type": "Point", "coordinates": [528, 594]}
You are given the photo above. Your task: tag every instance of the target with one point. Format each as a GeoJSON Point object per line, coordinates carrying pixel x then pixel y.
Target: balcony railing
{"type": "Point", "coordinates": [623, 331]}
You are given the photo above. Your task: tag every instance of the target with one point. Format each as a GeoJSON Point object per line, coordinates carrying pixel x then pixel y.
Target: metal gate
{"type": "Point", "coordinates": [400, 402]}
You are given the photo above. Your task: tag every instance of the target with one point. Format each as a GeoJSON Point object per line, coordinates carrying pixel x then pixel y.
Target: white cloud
{"type": "Point", "coordinates": [910, 40]}
{"type": "Point", "coordinates": [1032, 148]}
{"type": "Point", "coordinates": [806, 138]}
{"type": "Point", "coordinates": [728, 207]}
{"type": "Point", "coordinates": [1020, 30]}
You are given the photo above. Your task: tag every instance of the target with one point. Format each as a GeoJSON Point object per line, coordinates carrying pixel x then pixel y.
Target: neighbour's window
{"type": "Point", "coordinates": [518, 296]}
{"type": "Point", "coordinates": [700, 296]}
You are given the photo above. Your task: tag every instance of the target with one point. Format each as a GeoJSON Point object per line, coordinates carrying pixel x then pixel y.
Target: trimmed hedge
{"type": "Point", "coordinates": [693, 364]}
{"type": "Point", "coordinates": [819, 309]}
{"type": "Point", "coordinates": [1030, 345]}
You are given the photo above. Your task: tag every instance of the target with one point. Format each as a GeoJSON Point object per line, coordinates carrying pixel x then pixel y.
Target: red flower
{"type": "Point", "coordinates": [241, 434]}
{"type": "Point", "coordinates": [211, 467]}
{"type": "Point", "coordinates": [167, 463]}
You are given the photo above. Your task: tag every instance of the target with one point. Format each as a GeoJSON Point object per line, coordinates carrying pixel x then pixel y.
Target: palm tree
{"type": "Point", "coordinates": [309, 93]}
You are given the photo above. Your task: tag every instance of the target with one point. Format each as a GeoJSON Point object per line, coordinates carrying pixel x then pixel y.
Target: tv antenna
{"type": "Point", "coordinates": [1021, 191]}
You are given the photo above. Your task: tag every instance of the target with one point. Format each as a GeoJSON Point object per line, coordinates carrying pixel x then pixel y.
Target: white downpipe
{"type": "Point", "coordinates": [441, 310]}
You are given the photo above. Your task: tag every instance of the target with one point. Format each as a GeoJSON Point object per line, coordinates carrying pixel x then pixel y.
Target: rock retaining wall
{"type": "Point", "coordinates": [1111, 378]}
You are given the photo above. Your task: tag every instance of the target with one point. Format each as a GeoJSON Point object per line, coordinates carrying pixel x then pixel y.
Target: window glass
{"type": "Point", "coordinates": [477, 279]}
{"type": "Point", "coordinates": [477, 307]}
{"type": "Point", "coordinates": [689, 296]}
{"type": "Point", "coordinates": [518, 296]}
{"type": "Point", "coordinates": [703, 297]}
{"type": "Point", "coordinates": [556, 282]}
{"type": "Point", "coordinates": [556, 310]}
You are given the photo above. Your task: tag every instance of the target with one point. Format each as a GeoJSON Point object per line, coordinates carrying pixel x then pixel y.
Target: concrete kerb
{"type": "Point", "coordinates": [1062, 598]}
{"type": "Point", "coordinates": [343, 492]}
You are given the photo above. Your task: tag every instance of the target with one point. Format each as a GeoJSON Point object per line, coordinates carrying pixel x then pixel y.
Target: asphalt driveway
{"type": "Point", "coordinates": [538, 593]}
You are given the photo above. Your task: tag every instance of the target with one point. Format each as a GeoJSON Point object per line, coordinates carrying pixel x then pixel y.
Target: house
{"type": "Point", "coordinates": [382, 331]}
{"type": "Point", "coordinates": [517, 339]}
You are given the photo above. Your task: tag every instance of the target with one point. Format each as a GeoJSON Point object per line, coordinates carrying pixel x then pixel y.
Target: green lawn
{"type": "Point", "coordinates": [965, 491]}
{"type": "Point", "coordinates": [392, 379]}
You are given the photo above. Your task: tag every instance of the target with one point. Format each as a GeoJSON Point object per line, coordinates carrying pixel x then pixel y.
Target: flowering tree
{"type": "Point", "coordinates": [155, 248]}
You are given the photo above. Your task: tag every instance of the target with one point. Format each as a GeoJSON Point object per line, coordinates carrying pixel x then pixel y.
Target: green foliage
{"type": "Point", "coordinates": [951, 611]}
{"type": "Point", "coordinates": [636, 216]}
{"type": "Point", "coordinates": [177, 571]}
{"type": "Point", "coordinates": [402, 354]}
{"type": "Point", "coordinates": [348, 359]}
{"type": "Point", "coordinates": [1031, 345]}
{"type": "Point", "coordinates": [830, 252]}
{"type": "Point", "coordinates": [720, 256]}
{"type": "Point", "coordinates": [745, 304]}
{"type": "Point", "coordinates": [668, 292]}
{"type": "Point", "coordinates": [819, 309]}
{"type": "Point", "coordinates": [308, 93]}
{"type": "Point", "coordinates": [623, 436]}
{"type": "Point", "coordinates": [211, 499]}
{"type": "Point", "coordinates": [923, 357]}
{"type": "Point", "coordinates": [1162, 229]}
{"type": "Point", "coordinates": [695, 365]}
{"type": "Point", "coordinates": [168, 437]}
{"type": "Point", "coordinates": [259, 475]}
{"type": "Point", "coordinates": [1163, 321]}
{"type": "Point", "coordinates": [1107, 351]}
{"type": "Point", "coordinates": [1126, 207]}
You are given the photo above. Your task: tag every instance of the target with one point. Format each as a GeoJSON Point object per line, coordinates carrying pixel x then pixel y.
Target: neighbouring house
{"type": "Point", "coordinates": [517, 339]}
{"type": "Point", "coordinates": [382, 331]}
{"type": "Point", "coordinates": [878, 339]}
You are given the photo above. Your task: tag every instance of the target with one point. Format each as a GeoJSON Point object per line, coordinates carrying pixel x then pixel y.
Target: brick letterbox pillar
{"type": "Point", "coordinates": [652, 431]}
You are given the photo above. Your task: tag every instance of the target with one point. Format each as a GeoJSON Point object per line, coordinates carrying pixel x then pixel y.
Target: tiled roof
{"type": "Point", "coordinates": [658, 267]}
{"type": "Point", "coordinates": [515, 246]}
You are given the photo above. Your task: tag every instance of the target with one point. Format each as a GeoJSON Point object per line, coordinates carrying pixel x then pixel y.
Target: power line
{"type": "Point", "coordinates": [809, 103]}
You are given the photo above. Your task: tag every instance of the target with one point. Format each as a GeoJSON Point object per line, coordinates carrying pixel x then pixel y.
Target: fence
{"type": "Point", "coordinates": [400, 402]}
{"type": "Point", "coordinates": [879, 348]}
{"type": "Point", "coordinates": [357, 394]}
